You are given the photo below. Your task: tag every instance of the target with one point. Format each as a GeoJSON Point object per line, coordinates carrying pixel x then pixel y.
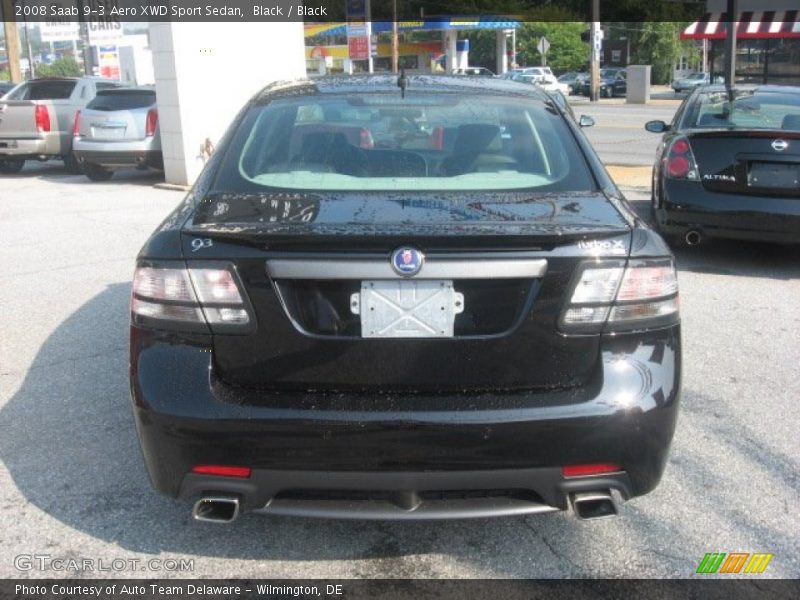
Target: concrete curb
{"type": "Point", "coordinates": [172, 187]}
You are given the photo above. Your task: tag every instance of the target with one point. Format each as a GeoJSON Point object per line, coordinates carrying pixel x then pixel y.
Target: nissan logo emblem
{"type": "Point", "coordinates": [780, 145]}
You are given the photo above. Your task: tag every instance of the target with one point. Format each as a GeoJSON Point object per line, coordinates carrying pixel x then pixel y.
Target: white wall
{"type": "Point", "coordinates": [204, 74]}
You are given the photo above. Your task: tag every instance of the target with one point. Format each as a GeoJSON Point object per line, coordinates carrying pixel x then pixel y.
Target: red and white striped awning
{"type": "Point", "coordinates": [752, 25]}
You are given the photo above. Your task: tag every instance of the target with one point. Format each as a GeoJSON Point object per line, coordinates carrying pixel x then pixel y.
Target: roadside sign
{"type": "Point", "coordinates": [108, 61]}
{"type": "Point", "coordinates": [358, 48]}
{"type": "Point", "coordinates": [543, 46]}
{"type": "Point", "coordinates": [103, 30]}
{"type": "Point", "coordinates": [58, 31]}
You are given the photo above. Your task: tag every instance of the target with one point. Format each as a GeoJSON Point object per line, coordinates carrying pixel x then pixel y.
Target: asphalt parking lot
{"type": "Point", "coordinates": [72, 482]}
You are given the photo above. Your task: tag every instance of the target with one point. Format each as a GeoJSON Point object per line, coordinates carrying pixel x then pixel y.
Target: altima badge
{"type": "Point", "coordinates": [780, 145]}
{"type": "Point", "coordinates": [407, 261]}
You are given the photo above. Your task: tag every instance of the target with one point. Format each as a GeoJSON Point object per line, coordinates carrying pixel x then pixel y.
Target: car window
{"type": "Point", "coordinates": [749, 109]}
{"type": "Point", "coordinates": [382, 142]}
{"type": "Point", "coordinates": [122, 100]}
{"type": "Point", "coordinates": [43, 90]}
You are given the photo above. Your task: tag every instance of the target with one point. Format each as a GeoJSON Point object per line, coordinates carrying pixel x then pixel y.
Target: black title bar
{"type": "Point", "coordinates": [337, 10]}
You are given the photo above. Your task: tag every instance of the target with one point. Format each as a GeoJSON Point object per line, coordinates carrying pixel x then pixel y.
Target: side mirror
{"type": "Point", "coordinates": [656, 126]}
{"type": "Point", "coordinates": [585, 121]}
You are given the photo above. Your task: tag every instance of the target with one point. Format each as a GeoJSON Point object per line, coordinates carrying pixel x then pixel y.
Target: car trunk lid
{"type": "Point", "coordinates": [309, 336]}
{"type": "Point", "coordinates": [749, 162]}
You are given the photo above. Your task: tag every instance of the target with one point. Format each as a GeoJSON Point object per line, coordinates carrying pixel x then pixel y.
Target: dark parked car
{"type": "Point", "coordinates": [729, 166]}
{"type": "Point", "coordinates": [5, 87]}
{"type": "Point", "coordinates": [466, 321]}
{"type": "Point", "coordinates": [613, 82]}
{"type": "Point", "coordinates": [573, 80]}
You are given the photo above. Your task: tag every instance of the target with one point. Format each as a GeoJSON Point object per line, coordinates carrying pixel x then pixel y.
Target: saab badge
{"type": "Point", "coordinates": [407, 262]}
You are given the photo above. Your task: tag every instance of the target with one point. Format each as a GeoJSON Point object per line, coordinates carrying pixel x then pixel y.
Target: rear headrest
{"type": "Point", "coordinates": [711, 120]}
{"type": "Point", "coordinates": [475, 137]}
{"type": "Point", "coordinates": [791, 122]}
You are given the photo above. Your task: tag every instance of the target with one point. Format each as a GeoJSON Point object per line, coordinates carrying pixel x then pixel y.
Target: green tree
{"type": "Point", "coordinates": [660, 46]}
{"type": "Point", "coordinates": [567, 51]}
{"type": "Point", "coordinates": [61, 67]}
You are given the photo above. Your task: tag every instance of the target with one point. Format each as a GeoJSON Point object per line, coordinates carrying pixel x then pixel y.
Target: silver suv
{"type": "Point", "coordinates": [118, 129]}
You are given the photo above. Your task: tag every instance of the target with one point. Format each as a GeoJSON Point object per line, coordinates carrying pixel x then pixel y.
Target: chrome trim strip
{"type": "Point", "coordinates": [489, 268]}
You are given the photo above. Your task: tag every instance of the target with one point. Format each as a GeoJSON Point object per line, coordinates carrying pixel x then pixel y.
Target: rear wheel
{"type": "Point", "coordinates": [96, 172]}
{"type": "Point", "coordinates": [9, 166]}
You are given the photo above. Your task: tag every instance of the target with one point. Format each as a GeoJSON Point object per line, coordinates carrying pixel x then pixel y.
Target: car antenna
{"type": "Point", "coordinates": [402, 82]}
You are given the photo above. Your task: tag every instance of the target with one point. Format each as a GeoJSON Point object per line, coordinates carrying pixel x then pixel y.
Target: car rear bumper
{"type": "Point", "coordinates": [46, 145]}
{"type": "Point", "coordinates": [119, 155]}
{"type": "Point", "coordinates": [688, 206]}
{"type": "Point", "coordinates": [389, 455]}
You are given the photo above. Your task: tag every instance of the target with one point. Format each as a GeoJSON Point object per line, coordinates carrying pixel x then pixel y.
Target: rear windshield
{"type": "Point", "coordinates": [43, 90]}
{"type": "Point", "coordinates": [749, 109]}
{"type": "Point", "coordinates": [122, 100]}
{"type": "Point", "coordinates": [425, 143]}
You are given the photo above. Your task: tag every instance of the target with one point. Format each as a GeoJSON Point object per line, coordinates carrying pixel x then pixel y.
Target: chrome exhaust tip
{"type": "Point", "coordinates": [216, 509]}
{"type": "Point", "coordinates": [594, 505]}
{"type": "Point", "coordinates": [693, 237]}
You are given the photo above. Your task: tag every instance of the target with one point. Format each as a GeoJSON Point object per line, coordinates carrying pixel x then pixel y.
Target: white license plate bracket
{"type": "Point", "coordinates": [407, 308]}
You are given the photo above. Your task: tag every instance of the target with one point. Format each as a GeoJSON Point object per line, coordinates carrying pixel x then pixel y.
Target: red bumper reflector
{"type": "Point", "coordinates": [595, 469]}
{"type": "Point", "coordinates": [222, 471]}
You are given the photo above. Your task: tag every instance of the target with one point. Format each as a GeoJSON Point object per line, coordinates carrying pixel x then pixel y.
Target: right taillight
{"type": "Point", "coordinates": [76, 124]}
{"type": "Point", "coordinates": [42, 117]}
{"type": "Point", "coordinates": [679, 162]}
{"type": "Point", "coordinates": [612, 295]}
{"type": "Point", "coordinates": [150, 122]}
{"type": "Point", "coordinates": [191, 299]}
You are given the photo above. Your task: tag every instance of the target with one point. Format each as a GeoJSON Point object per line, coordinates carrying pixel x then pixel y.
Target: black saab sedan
{"type": "Point", "coordinates": [729, 166]}
{"type": "Point", "coordinates": [418, 302]}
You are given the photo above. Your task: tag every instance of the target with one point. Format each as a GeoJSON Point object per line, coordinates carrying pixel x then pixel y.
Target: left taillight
{"type": "Point", "coordinates": [150, 122]}
{"type": "Point", "coordinates": [679, 162]}
{"type": "Point", "coordinates": [42, 116]}
{"type": "Point", "coordinates": [195, 299]}
{"type": "Point", "coordinates": [76, 124]}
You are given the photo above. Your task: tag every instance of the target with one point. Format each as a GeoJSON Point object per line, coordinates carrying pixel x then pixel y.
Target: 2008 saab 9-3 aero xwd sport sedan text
{"type": "Point", "coordinates": [424, 302]}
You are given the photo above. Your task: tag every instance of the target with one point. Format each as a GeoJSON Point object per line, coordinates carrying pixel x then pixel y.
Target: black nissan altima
{"type": "Point", "coordinates": [415, 302]}
{"type": "Point", "coordinates": [729, 166]}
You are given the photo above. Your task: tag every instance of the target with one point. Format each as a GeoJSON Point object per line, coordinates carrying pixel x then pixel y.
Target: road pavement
{"type": "Point", "coordinates": [72, 482]}
{"type": "Point", "coordinates": [618, 135]}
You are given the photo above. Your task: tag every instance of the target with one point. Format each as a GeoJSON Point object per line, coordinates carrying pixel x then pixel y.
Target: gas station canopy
{"type": "Point", "coordinates": [455, 23]}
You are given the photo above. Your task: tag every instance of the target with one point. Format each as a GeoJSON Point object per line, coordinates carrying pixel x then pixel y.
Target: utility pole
{"type": "Point", "coordinates": [594, 42]}
{"type": "Point", "coordinates": [31, 69]}
{"type": "Point", "coordinates": [730, 43]}
{"type": "Point", "coordinates": [12, 41]}
{"type": "Point", "coordinates": [83, 31]}
{"type": "Point", "coordinates": [395, 40]}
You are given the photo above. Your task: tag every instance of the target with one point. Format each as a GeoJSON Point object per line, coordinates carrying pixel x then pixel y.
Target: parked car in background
{"type": "Point", "coordinates": [573, 81]}
{"type": "Point", "coordinates": [613, 82]}
{"type": "Point", "coordinates": [37, 118]}
{"type": "Point", "coordinates": [544, 81]}
{"type": "Point", "coordinates": [687, 84]}
{"type": "Point", "coordinates": [528, 72]}
{"type": "Point", "coordinates": [465, 322]}
{"type": "Point", "coordinates": [729, 166]}
{"type": "Point", "coordinates": [5, 87]}
{"type": "Point", "coordinates": [118, 129]}
{"type": "Point", "coordinates": [474, 71]}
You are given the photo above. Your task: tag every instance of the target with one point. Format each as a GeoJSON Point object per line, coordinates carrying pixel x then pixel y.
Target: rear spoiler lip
{"type": "Point", "coordinates": [733, 132]}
